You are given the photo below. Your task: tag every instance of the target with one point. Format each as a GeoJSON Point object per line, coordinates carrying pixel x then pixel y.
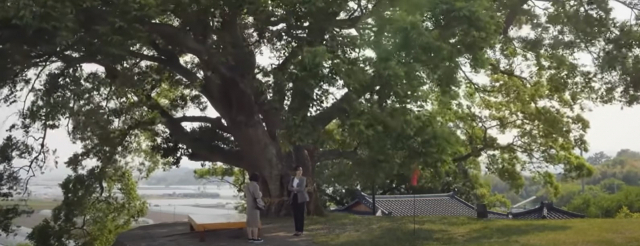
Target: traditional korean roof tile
{"type": "Point", "coordinates": [446, 204]}
{"type": "Point", "coordinates": [546, 210]}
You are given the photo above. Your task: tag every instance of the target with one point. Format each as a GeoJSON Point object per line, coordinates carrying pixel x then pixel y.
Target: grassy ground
{"type": "Point", "coordinates": [343, 230]}
{"type": "Point", "coordinates": [33, 204]}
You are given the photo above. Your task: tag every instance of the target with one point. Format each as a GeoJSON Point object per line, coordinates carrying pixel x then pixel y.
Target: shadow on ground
{"type": "Point", "coordinates": [275, 233]}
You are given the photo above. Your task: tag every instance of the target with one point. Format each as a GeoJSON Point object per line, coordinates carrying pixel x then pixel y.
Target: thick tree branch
{"type": "Point", "coordinates": [231, 157]}
{"type": "Point", "coordinates": [475, 150]}
{"type": "Point", "coordinates": [337, 109]}
{"type": "Point", "coordinates": [173, 65]}
{"type": "Point", "coordinates": [174, 36]}
{"type": "Point", "coordinates": [474, 153]}
{"type": "Point", "coordinates": [215, 122]}
{"type": "Point", "coordinates": [199, 152]}
{"type": "Point", "coordinates": [497, 69]}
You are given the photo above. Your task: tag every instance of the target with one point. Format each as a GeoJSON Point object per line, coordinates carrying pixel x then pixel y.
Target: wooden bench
{"type": "Point", "coordinates": [201, 223]}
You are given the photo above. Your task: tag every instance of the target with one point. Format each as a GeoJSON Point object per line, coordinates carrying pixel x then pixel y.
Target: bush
{"type": "Point", "coordinates": [603, 205]}
{"type": "Point", "coordinates": [624, 213]}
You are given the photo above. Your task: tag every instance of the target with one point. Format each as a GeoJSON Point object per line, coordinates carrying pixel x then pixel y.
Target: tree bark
{"type": "Point", "coordinates": [305, 158]}
{"type": "Point", "coordinates": [264, 157]}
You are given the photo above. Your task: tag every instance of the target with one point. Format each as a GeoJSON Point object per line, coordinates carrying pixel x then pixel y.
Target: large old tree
{"type": "Point", "coordinates": [366, 88]}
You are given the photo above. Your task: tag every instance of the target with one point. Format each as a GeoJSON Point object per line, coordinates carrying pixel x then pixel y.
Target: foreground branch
{"type": "Point", "coordinates": [215, 122]}
{"type": "Point", "coordinates": [199, 152]}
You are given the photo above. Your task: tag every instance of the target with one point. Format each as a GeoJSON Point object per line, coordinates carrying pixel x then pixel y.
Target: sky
{"type": "Point", "coordinates": [612, 128]}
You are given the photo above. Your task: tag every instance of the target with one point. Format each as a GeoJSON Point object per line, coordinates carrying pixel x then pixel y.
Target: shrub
{"type": "Point", "coordinates": [624, 213]}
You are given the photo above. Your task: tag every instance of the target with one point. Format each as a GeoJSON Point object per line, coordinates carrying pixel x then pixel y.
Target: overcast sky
{"type": "Point", "coordinates": [612, 127]}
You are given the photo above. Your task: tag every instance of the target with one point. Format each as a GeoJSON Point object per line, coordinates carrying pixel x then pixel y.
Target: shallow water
{"type": "Point", "coordinates": [186, 210]}
{"type": "Point", "coordinates": [223, 205]}
{"type": "Point", "coordinates": [38, 191]}
{"type": "Point", "coordinates": [176, 206]}
{"type": "Point", "coordinates": [20, 237]}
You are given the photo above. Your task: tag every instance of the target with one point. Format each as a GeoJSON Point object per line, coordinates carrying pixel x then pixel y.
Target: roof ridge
{"type": "Point", "coordinates": [547, 206]}
{"type": "Point", "coordinates": [463, 201]}
{"type": "Point", "coordinates": [566, 212]}
{"type": "Point", "coordinates": [410, 196]}
{"type": "Point", "coordinates": [367, 201]}
{"type": "Point", "coordinates": [528, 211]}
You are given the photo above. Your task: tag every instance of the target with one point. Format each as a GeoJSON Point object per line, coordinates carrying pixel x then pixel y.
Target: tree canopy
{"type": "Point", "coordinates": [368, 89]}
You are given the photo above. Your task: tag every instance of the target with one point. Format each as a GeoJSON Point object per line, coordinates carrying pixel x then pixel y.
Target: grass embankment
{"type": "Point", "coordinates": [343, 230]}
{"type": "Point", "coordinates": [33, 204]}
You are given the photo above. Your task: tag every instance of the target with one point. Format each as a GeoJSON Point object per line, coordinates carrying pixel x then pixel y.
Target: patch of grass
{"type": "Point", "coordinates": [351, 230]}
{"type": "Point", "coordinates": [33, 204]}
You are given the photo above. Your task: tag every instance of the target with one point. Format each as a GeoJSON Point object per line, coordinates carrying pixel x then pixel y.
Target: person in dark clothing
{"type": "Point", "coordinates": [299, 199]}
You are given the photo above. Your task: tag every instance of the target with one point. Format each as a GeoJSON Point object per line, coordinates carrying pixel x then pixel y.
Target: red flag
{"type": "Point", "coordinates": [414, 177]}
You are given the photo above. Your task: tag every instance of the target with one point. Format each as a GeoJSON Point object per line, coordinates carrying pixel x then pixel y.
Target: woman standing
{"type": "Point", "coordinates": [253, 194]}
{"type": "Point", "coordinates": [299, 199]}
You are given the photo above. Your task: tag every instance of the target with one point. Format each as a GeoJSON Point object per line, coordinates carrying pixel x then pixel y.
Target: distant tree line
{"type": "Point", "coordinates": [612, 191]}
{"type": "Point", "coordinates": [179, 176]}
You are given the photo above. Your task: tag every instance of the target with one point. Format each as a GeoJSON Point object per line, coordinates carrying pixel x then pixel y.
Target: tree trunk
{"type": "Point", "coordinates": [304, 158]}
{"type": "Point", "coordinates": [275, 170]}
{"type": "Point", "coordinates": [262, 157]}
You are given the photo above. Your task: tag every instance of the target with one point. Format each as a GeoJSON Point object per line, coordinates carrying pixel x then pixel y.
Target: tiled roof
{"type": "Point", "coordinates": [497, 215]}
{"type": "Point", "coordinates": [546, 210]}
{"type": "Point", "coordinates": [446, 204]}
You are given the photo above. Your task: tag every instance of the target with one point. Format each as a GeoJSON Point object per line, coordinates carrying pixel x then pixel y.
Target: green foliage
{"type": "Point", "coordinates": [568, 192]}
{"type": "Point", "coordinates": [426, 84]}
{"type": "Point", "coordinates": [221, 172]}
{"type": "Point", "coordinates": [496, 202]}
{"type": "Point", "coordinates": [98, 212]}
{"type": "Point", "coordinates": [624, 213]}
{"type": "Point", "coordinates": [625, 166]}
{"type": "Point", "coordinates": [598, 204]}
{"type": "Point", "coordinates": [598, 158]}
{"type": "Point", "coordinates": [611, 185]}
{"type": "Point", "coordinates": [603, 192]}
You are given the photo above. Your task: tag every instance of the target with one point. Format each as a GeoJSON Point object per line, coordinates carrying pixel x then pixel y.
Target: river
{"type": "Point", "coordinates": [175, 208]}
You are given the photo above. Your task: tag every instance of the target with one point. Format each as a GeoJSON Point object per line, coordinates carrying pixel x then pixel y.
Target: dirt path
{"type": "Point", "coordinates": [275, 233]}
